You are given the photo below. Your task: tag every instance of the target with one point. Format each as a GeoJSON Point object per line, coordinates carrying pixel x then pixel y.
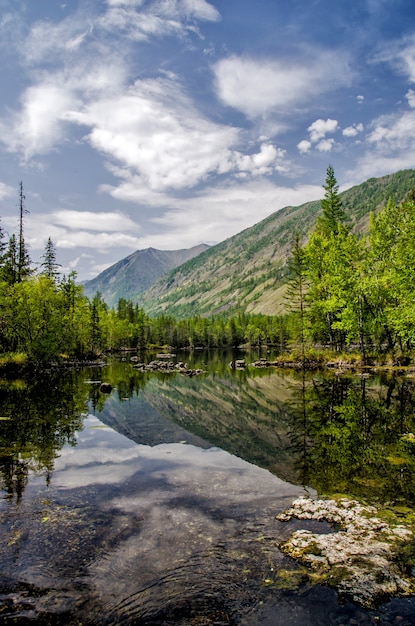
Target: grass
{"type": "Point", "coordinates": [13, 358]}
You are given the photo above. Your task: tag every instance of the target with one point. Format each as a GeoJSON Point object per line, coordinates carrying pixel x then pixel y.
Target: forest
{"type": "Point", "coordinates": [346, 292]}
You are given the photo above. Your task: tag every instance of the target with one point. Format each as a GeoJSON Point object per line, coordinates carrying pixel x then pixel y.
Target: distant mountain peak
{"type": "Point", "coordinates": [137, 272]}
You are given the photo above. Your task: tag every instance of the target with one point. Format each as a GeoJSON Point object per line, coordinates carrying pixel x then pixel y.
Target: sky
{"type": "Point", "coordinates": [170, 123]}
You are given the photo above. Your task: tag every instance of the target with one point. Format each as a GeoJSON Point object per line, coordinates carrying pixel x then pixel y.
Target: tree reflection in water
{"type": "Point", "coordinates": [352, 435]}
{"type": "Point", "coordinates": [38, 418]}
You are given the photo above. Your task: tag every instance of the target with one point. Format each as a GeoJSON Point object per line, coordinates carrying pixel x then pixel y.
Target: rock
{"type": "Point", "coordinates": [167, 367]}
{"type": "Point", "coordinates": [358, 559]}
{"type": "Point", "coordinates": [105, 388]}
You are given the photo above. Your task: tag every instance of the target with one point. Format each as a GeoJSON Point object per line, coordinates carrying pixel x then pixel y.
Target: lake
{"type": "Point", "coordinates": [156, 503]}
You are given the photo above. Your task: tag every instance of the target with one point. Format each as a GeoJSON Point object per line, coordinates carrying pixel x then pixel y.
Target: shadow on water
{"type": "Point", "coordinates": [159, 507]}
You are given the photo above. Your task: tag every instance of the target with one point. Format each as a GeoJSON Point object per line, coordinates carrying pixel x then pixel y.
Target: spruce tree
{"type": "Point", "coordinates": [49, 265]}
{"type": "Point", "coordinates": [333, 214]}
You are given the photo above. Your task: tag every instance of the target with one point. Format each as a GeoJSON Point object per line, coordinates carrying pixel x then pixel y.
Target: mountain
{"type": "Point", "coordinates": [247, 271]}
{"type": "Point", "coordinates": [131, 276]}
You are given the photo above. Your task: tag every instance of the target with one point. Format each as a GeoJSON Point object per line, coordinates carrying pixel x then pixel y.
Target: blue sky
{"type": "Point", "coordinates": [168, 123]}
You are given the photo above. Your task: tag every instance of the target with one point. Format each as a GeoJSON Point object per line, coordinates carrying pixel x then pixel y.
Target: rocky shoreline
{"type": "Point", "coordinates": [358, 558]}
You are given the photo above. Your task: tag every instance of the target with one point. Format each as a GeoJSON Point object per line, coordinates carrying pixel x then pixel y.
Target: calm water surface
{"type": "Point", "coordinates": [156, 504]}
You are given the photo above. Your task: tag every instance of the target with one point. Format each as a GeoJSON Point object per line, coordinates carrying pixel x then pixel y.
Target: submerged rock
{"type": "Point", "coordinates": [359, 558]}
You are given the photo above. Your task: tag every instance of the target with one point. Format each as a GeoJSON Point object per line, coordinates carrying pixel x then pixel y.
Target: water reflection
{"type": "Point", "coordinates": [353, 435]}
{"type": "Point", "coordinates": [338, 434]}
{"type": "Point", "coordinates": [38, 417]}
{"type": "Point", "coordinates": [345, 434]}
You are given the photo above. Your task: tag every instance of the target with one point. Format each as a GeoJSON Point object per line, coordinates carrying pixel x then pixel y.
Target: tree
{"type": "Point", "coordinates": [333, 215]}
{"type": "Point", "coordinates": [49, 264]}
{"type": "Point", "coordinates": [3, 245]}
{"type": "Point", "coordinates": [9, 271]}
{"type": "Point", "coordinates": [23, 259]}
{"type": "Point", "coordinates": [297, 288]}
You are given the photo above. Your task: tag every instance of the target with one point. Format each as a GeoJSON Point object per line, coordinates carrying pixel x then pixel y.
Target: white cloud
{"type": "Point", "coordinates": [304, 146]}
{"type": "Point", "coordinates": [6, 191]}
{"type": "Point", "coordinates": [154, 131]}
{"type": "Point", "coordinates": [257, 87]}
{"type": "Point", "coordinates": [325, 145]}
{"type": "Point", "coordinates": [353, 130]}
{"type": "Point", "coordinates": [88, 220]}
{"type": "Point", "coordinates": [320, 128]}
{"type": "Point", "coordinates": [47, 41]}
{"type": "Point", "coordinates": [163, 17]}
{"type": "Point", "coordinates": [410, 96]}
{"type": "Point", "coordinates": [390, 145]}
{"type": "Point", "coordinates": [317, 136]}
{"type": "Point", "coordinates": [264, 162]}
{"type": "Point", "coordinates": [393, 133]}
{"type": "Point", "coordinates": [399, 54]}
{"type": "Point", "coordinates": [39, 125]}
{"type": "Point", "coordinates": [97, 241]}
{"type": "Point", "coordinates": [218, 213]}
{"type": "Point", "coordinates": [156, 139]}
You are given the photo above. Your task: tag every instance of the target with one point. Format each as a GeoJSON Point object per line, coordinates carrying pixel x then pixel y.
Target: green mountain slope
{"type": "Point", "coordinates": [247, 271]}
{"type": "Point", "coordinates": [137, 272]}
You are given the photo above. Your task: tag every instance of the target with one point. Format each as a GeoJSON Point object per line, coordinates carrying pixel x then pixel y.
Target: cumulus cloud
{"type": "Point", "coordinates": [257, 87]}
{"type": "Point", "coordinates": [304, 146]}
{"type": "Point", "coordinates": [317, 136]}
{"type": "Point", "coordinates": [320, 128]}
{"type": "Point", "coordinates": [154, 135]}
{"type": "Point", "coordinates": [325, 145]}
{"type": "Point", "coordinates": [353, 130]}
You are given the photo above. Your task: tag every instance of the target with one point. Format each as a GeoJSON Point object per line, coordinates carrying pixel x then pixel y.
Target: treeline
{"type": "Point", "coordinates": [347, 289]}
{"type": "Point", "coordinates": [343, 290]}
{"type": "Point", "coordinates": [47, 318]}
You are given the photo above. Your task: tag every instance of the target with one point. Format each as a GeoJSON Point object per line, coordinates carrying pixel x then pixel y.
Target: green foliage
{"type": "Point", "coordinates": [359, 289]}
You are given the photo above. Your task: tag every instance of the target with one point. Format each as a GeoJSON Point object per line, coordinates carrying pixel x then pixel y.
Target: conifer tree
{"type": "Point", "coordinates": [9, 269]}
{"type": "Point", "coordinates": [23, 259]}
{"type": "Point", "coordinates": [49, 265]}
{"type": "Point", "coordinates": [333, 214]}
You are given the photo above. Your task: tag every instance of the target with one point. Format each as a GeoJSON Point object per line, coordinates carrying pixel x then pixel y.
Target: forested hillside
{"type": "Point", "coordinates": [248, 271]}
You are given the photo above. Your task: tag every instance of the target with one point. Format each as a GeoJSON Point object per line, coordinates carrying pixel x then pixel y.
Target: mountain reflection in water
{"type": "Point", "coordinates": [171, 520]}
